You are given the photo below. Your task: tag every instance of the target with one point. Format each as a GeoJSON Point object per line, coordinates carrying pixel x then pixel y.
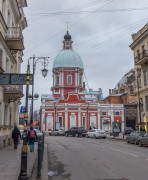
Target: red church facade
{"type": "Point", "coordinates": [68, 106]}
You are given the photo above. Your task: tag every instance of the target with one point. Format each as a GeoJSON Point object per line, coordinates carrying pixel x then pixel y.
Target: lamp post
{"type": "Point", "coordinates": [44, 61]}
{"type": "Point", "coordinates": [27, 90]}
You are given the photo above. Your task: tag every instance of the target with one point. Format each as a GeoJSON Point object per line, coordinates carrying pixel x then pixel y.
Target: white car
{"type": "Point", "coordinates": [96, 133]}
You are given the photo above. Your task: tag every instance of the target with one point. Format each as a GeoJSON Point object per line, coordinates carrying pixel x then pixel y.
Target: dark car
{"type": "Point", "coordinates": [76, 131]}
{"type": "Point", "coordinates": [143, 140]}
{"type": "Point", "coordinates": [134, 137]}
{"type": "Point", "coordinates": [128, 130]}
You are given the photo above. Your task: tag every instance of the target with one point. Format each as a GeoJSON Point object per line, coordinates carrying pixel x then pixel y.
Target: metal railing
{"type": "Point", "coordinates": [140, 56]}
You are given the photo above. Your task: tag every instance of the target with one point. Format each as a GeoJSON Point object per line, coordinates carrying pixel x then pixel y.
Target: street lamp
{"type": "Point", "coordinates": [44, 61]}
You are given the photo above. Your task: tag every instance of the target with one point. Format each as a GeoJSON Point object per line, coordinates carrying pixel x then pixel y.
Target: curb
{"type": "Point", "coordinates": [118, 139]}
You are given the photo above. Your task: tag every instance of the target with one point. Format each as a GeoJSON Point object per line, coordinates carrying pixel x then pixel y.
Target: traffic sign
{"type": "Point", "coordinates": [15, 79]}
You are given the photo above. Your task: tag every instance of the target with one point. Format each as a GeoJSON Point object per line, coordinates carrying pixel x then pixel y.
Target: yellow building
{"type": "Point", "coordinates": [140, 51]}
{"type": "Point", "coordinates": [12, 23]}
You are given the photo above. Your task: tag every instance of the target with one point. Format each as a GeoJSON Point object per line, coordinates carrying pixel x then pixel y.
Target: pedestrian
{"type": "Point", "coordinates": [15, 136]}
{"type": "Point", "coordinates": [31, 138]}
{"type": "Point", "coordinates": [90, 128]}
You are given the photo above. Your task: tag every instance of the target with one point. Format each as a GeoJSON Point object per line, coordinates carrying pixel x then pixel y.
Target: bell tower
{"type": "Point", "coordinates": [67, 70]}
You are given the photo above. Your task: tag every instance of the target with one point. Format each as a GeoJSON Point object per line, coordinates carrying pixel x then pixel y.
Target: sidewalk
{"type": "Point", "coordinates": [10, 162]}
{"type": "Point", "coordinates": [120, 137]}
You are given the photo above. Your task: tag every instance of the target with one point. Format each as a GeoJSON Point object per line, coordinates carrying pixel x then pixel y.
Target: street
{"type": "Point", "coordinates": [72, 158]}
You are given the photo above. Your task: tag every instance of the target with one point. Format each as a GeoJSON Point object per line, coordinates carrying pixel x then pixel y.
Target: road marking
{"type": "Point", "coordinates": [123, 152]}
{"type": "Point", "coordinates": [98, 145]}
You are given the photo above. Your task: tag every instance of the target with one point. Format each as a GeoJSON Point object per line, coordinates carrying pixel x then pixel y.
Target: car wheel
{"type": "Point", "coordinates": [140, 144]}
{"type": "Point", "coordinates": [87, 136]}
{"type": "Point", "coordinates": [135, 142]}
{"type": "Point", "coordinates": [94, 136]}
{"type": "Point", "coordinates": [104, 137]}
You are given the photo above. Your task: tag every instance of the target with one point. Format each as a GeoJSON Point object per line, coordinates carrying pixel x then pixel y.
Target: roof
{"type": "Point", "coordinates": [68, 58]}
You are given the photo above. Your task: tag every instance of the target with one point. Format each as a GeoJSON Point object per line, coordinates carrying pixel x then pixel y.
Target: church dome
{"type": "Point", "coordinates": [68, 58]}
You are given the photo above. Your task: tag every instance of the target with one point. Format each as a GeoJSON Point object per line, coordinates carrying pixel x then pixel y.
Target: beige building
{"type": "Point", "coordinates": [12, 23]}
{"type": "Point", "coordinates": [140, 51]}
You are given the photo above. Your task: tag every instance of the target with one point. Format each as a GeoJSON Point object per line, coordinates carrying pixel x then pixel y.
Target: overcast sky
{"type": "Point", "coordinates": [101, 33]}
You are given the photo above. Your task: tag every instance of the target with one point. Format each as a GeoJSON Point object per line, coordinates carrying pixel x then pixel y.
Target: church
{"type": "Point", "coordinates": [70, 105]}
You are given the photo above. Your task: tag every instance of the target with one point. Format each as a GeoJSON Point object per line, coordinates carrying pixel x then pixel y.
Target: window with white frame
{"type": "Point", "coordinates": [57, 80]}
{"type": "Point", "coordinates": [80, 80]}
{"type": "Point", "coordinates": [69, 79]}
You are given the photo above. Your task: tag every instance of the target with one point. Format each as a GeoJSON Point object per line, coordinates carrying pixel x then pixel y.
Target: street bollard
{"type": "Point", "coordinates": [23, 173]}
{"type": "Point", "coordinates": [39, 158]}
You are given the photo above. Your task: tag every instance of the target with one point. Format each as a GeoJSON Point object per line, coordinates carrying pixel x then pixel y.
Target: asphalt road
{"type": "Point", "coordinates": [72, 158]}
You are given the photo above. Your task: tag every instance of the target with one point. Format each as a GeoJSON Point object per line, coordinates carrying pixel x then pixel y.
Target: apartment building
{"type": "Point", "coordinates": [12, 23]}
{"type": "Point", "coordinates": [140, 51]}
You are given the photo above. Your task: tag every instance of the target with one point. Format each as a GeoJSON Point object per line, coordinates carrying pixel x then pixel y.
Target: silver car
{"type": "Point", "coordinates": [57, 132]}
{"type": "Point", "coordinates": [96, 133]}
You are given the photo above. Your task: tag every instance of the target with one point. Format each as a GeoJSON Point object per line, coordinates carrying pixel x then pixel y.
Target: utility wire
{"type": "Point", "coordinates": [69, 26]}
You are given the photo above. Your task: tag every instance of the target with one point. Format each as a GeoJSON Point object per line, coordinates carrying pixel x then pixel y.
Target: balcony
{"type": "Point", "coordinates": [141, 58]}
{"type": "Point", "coordinates": [14, 39]}
{"type": "Point", "coordinates": [13, 93]}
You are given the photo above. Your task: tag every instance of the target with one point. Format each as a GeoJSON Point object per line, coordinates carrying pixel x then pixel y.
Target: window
{"type": "Point", "coordinates": [83, 121]}
{"type": "Point", "coordinates": [145, 77]}
{"type": "Point", "coordinates": [104, 113]}
{"type": "Point", "coordinates": [8, 21]}
{"type": "Point", "coordinates": [69, 79]}
{"type": "Point", "coordinates": [60, 121]}
{"type": "Point", "coordinates": [57, 79]}
{"type": "Point", "coordinates": [10, 116]}
{"type": "Point", "coordinates": [146, 102]}
{"type": "Point", "coordinates": [7, 66]}
{"type": "Point", "coordinates": [4, 8]}
{"type": "Point", "coordinates": [141, 104]}
{"type": "Point", "coordinates": [1, 57]}
{"type": "Point", "coordinates": [0, 113]}
{"type": "Point", "coordinates": [5, 114]}
{"type": "Point", "coordinates": [80, 80]}
{"type": "Point", "coordinates": [117, 113]}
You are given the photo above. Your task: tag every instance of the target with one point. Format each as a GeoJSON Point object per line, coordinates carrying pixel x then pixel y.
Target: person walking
{"type": "Point", "coordinates": [15, 136]}
{"type": "Point", "coordinates": [31, 138]}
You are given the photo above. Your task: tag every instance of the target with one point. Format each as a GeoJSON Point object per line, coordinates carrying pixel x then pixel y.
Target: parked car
{"type": "Point", "coordinates": [128, 130]}
{"type": "Point", "coordinates": [134, 137]}
{"type": "Point", "coordinates": [143, 140]}
{"type": "Point", "coordinates": [96, 133]}
{"type": "Point", "coordinates": [57, 132]}
{"type": "Point", "coordinates": [76, 131]}
{"type": "Point", "coordinates": [115, 132]}
{"type": "Point", "coordinates": [39, 134]}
